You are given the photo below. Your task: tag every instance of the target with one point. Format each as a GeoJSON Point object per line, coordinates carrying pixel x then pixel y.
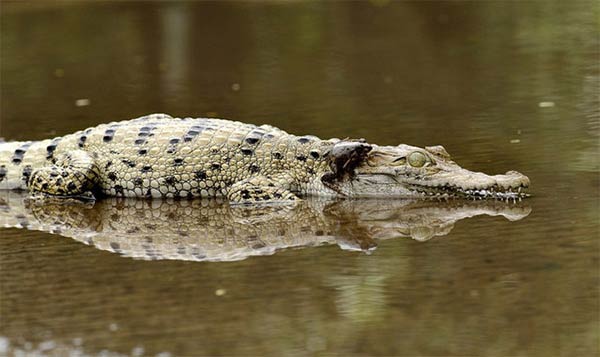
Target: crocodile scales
{"type": "Point", "coordinates": [160, 156]}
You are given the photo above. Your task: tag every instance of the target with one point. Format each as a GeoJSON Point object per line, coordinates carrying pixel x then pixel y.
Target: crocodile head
{"type": "Point", "coordinates": [366, 170]}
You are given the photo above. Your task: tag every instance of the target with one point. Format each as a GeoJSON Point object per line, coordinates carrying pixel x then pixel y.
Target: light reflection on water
{"type": "Point", "coordinates": [469, 76]}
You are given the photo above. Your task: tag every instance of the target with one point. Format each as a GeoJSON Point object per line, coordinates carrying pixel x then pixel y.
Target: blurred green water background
{"type": "Point", "coordinates": [502, 85]}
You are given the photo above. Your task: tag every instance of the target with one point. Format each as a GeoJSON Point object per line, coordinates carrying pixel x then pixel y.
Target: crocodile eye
{"type": "Point", "coordinates": [417, 159]}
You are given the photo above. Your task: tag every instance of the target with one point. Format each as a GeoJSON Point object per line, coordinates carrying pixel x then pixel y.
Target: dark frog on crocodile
{"type": "Point", "coordinates": [161, 156]}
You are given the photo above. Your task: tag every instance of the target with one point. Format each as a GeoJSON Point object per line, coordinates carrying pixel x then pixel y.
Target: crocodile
{"type": "Point", "coordinates": [212, 230]}
{"type": "Point", "coordinates": [161, 156]}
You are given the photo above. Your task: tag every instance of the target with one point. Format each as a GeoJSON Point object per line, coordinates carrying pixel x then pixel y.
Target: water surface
{"type": "Point", "coordinates": [502, 85]}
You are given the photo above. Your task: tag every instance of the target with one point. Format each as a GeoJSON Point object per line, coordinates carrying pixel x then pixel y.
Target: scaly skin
{"type": "Point", "coordinates": [159, 156]}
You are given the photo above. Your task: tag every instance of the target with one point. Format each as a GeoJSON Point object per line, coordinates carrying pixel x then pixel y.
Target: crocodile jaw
{"type": "Point", "coordinates": [468, 184]}
{"type": "Point", "coordinates": [459, 184]}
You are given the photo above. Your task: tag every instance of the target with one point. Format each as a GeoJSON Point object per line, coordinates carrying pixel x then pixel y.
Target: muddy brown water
{"type": "Point", "coordinates": [502, 85]}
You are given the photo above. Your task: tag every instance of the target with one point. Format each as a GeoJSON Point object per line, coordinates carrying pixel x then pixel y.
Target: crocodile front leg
{"type": "Point", "coordinates": [260, 189]}
{"type": "Point", "coordinates": [72, 174]}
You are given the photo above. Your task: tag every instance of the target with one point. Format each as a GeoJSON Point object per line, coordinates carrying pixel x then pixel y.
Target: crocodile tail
{"type": "Point", "coordinates": [17, 160]}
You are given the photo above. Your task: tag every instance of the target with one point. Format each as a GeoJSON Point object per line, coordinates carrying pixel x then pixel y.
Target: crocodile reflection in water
{"type": "Point", "coordinates": [212, 230]}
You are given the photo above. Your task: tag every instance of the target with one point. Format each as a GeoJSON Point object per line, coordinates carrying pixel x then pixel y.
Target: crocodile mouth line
{"type": "Point", "coordinates": [491, 192]}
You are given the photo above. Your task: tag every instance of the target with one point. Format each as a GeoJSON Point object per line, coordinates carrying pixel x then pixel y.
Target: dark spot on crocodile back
{"type": "Point", "coordinates": [247, 152]}
{"type": "Point", "coordinates": [146, 168]}
{"type": "Point", "coordinates": [51, 148]}
{"type": "Point", "coordinates": [200, 174]}
{"type": "Point", "coordinates": [170, 180]}
{"type": "Point", "coordinates": [252, 141]}
{"type": "Point", "coordinates": [215, 166]}
{"type": "Point", "coordinates": [119, 190]}
{"type": "Point", "coordinates": [277, 156]}
{"type": "Point", "coordinates": [142, 152]}
{"type": "Point", "coordinates": [144, 133]}
{"type": "Point", "coordinates": [245, 194]}
{"type": "Point", "coordinates": [20, 153]}
{"type": "Point", "coordinates": [191, 134]}
{"type": "Point", "coordinates": [303, 140]}
{"type": "Point", "coordinates": [187, 138]}
{"type": "Point", "coordinates": [112, 176]}
{"type": "Point", "coordinates": [71, 186]}
{"type": "Point", "coordinates": [257, 132]}
{"type": "Point", "coordinates": [26, 173]}
{"type": "Point", "coordinates": [108, 135]}
{"type": "Point", "coordinates": [301, 158]}
{"type": "Point", "coordinates": [254, 169]}
{"type": "Point", "coordinates": [128, 163]}
{"type": "Point", "coordinates": [82, 140]}
{"type": "Point", "coordinates": [178, 161]}
{"type": "Point", "coordinates": [138, 181]}
{"type": "Point", "coordinates": [3, 172]}
{"type": "Point", "coordinates": [196, 253]}
{"type": "Point", "coordinates": [314, 154]}
{"type": "Point", "coordinates": [172, 145]}
{"type": "Point", "coordinates": [198, 128]}
{"type": "Point", "coordinates": [22, 220]}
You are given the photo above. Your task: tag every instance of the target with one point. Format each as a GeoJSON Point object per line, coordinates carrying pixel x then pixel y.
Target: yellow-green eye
{"type": "Point", "coordinates": [417, 159]}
